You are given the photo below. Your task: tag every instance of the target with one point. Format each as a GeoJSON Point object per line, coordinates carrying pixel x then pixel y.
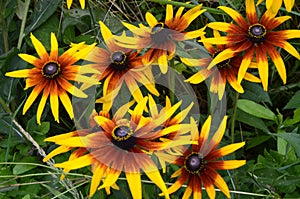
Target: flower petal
{"type": "Point", "coordinates": [151, 20]}
{"type": "Point", "coordinates": [40, 49]}
{"type": "Point", "coordinates": [135, 185]}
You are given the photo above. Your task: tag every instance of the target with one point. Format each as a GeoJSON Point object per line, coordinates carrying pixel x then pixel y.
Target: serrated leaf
{"type": "Point", "coordinates": [294, 101]}
{"type": "Point", "coordinates": [293, 139]}
{"type": "Point", "coordinates": [255, 109]}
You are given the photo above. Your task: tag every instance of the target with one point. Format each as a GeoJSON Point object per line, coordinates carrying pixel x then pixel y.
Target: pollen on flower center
{"type": "Point", "coordinates": [194, 163]}
{"type": "Point", "coordinates": [257, 33]}
{"type": "Point", "coordinates": [123, 137]}
{"type": "Point", "coordinates": [160, 33]}
{"type": "Point", "coordinates": [51, 69]}
{"type": "Point", "coordinates": [118, 61]}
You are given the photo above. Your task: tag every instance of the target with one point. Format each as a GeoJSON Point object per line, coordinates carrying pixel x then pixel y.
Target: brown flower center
{"type": "Point", "coordinates": [222, 64]}
{"type": "Point", "coordinates": [51, 70]}
{"type": "Point", "coordinates": [118, 61]}
{"type": "Point", "coordinates": [160, 33]}
{"type": "Point", "coordinates": [257, 33]}
{"type": "Point", "coordinates": [123, 137]}
{"type": "Point", "coordinates": [194, 163]}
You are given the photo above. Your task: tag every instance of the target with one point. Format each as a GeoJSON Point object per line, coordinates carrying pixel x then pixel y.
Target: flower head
{"type": "Point", "coordinates": [160, 37]}
{"type": "Point", "coordinates": [82, 3]}
{"type": "Point", "coordinates": [118, 65]}
{"type": "Point", "coordinates": [52, 75]}
{"type": "Point", "coordinates": [256, 38]}
{"type": "Point", "coordinates": [199, 165]}
{"type": "Point", "coordinates": [220, 73]}
{"type": "Point", "coordinates": [123, 144]}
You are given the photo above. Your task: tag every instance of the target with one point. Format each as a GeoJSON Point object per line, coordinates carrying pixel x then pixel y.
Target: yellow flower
{"type": "Point", "coordinates": [160, 37]}
{"type": "Point", "coordinates": [199, 165]}
{"type": "Point", "coordinates": [52, 75]}
{"type": "Point", "coordinates": [256, 38]}
{"type": "Point", "coordinates": [123, 144]}
{"type": "Point", "coordinates": [274, 5]}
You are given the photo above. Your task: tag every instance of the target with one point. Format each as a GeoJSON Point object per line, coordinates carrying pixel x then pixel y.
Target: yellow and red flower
{"type": "Point", "coordinates": [220, 73]}
{"type": "Point", "coordinates": [199, 165]}
{"type": "Point", "coordinates": [256, 38]}
{"type": "Point", "coordinates": [160, 37]}
{"type": "Point", "coordinates": [52, 75]}
{"type": "Point", "coordinates": [122, 144]}
{"type": "Point", "coordinates": [118, 65]}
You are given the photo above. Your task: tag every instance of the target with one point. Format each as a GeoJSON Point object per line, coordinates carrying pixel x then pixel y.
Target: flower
{"type": "Point", "coordinates": [276, 4]}
{"type": "Point", "coordinates": [160, 37]}
{"type": "Point", "coordinates": [122, 144]}
{"type": "Point", "coordinates": [226, 70]}
{"type": "Point", "coordinates": [253, 36]}
{"type": "Point", "coordinates": [52, 75]}
{"type": "Point", "coordinates": [82, 3]}
{"type": "Point", "coordinates": [118, 65]}
{"type": "Point", "coordinates": [199, 165]}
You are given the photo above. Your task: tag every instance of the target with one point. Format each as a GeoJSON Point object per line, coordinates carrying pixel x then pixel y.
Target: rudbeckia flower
{"type": "Point", "coordinates": [199, 165]}
{"type": "Point", "coordinates": [256, 38]}
{"type": "Point", "coordinates": [52, 75]}
{"type": "Point", "coordinates": [276, 4]}
{"type": "Point", "coordinates": [160, 37]}
{"type": "Point", "coordinates": [220, 73]}
{"type": "Point", "coordinates": [123, 144]}
{"type": "Point", "coordinates": [118, 65]}
{"type": "Point", "coordinates": [82, 3]}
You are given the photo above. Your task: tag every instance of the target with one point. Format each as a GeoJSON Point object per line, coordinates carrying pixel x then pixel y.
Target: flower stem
{"type": "Point", "coordinates": [236, 97]}
{"type": "Point", "coordinates": [172, 81]}
{"type": "Point", "coordinates": [21, 35]}
{"type": "Point", "coordinates": [3, 26]}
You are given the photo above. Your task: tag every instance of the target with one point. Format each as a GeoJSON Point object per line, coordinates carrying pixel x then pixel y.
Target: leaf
{"type": "Point", "coordinates": [27, 196]}
{"type": "Point", "coordinates": [22, 168]}
{"type": "Point", "coordinates": [294, 101]}
{"type": "Point", "coordinates": [33, 127]}
{"type": "Point", "coordinates": [295, 120]}
{"type": "Point", "coordinates": [257, 141]}
{"type": "Point", "coordinates": [255, 92]}
{"type": "Point", "coordinates": [55, 192]}
{"type": "Point", "coordinates": [43, 11]}
{"type": "Point", "coordinates": [251, 120]}
{"type": "Point", "coordinates": [293, 139]}
{"type": "Point", "coordinates": [255, 109]}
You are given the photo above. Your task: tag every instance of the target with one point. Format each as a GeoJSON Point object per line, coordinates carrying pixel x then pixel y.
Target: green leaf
{"type": "Point", "coordinates": [26, 197]}
{"type": "Point", "coordinates": [22, 168]}
{"type": "Point", "coordinates": [255, 109]}
{"type": "Point", "coordinates": [255, 92]}
{"type": "Point", "coordinates": [44, 10]}
{"type": "Point", "coordinates": [295, 120]}
{"type": "Point", "coordinates": [294, 101]}
{"type": "Point", "coordinates": [251, 120]}
{"type": "Point", "coordinates": [257, 141]}
{"type": "Point", "coordinates": [293, 139]}
{"type": "Point", "coordinates": [33, 127]}
{"type": "Point", "coordinates": [55, 192]}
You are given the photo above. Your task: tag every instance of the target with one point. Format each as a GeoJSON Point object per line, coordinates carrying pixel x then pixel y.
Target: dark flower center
{"type": "Point", "coordinates": [257, 33]}
{"type": "Point", "coordinates": [123, 137]}
{"type": "Point", "coordinates": [160, 33]}
{"type": "Point", "coordinates": [194, 163]}
{"type": "Point", "coordinates": [222, 64]}
{"type": "Point", "coordinates": [118, 61]}
{"type": "Point", "coordinates": [51, 70]}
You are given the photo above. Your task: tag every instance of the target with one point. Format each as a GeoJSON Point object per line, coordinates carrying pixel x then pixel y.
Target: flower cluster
{"type": "Point", "coordinates": [129, 139]}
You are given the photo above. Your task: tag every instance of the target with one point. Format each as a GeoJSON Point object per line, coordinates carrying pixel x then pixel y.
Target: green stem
{"type": "Point", "coordinates": [3, 25]}
{"type": "Point", "coordinates": [172, 81]}
{"type": "Point", "coordinates": [21, 35]}
{"type": "Point", "coordinates": [4, 106]}
{"type": "Point", "coordinates": [236, 97]}
{"type": "Point", "coordinates": [181, 4]}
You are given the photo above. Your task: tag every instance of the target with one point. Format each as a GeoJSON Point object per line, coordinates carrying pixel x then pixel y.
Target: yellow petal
{"type": "Point", "coordinates": [97, 176]}
{"type": "Point", "coordinates": [135, 185]}
{"type": "Point", "coordinates": [28, 58]}
{"type": "Point", "coordinates": [18, 73]}
{"type": "Point", "coordinates": [82, 3]}
{"type": "Point", "coordinates": [54, 47]}
{"type": "Point", "coordinates": [64, 98]}
{"type": "Point", "coordinates": [155, 177]}
{"type": "Point", "coordinates": [289, 4]}
{"type": "Point", "coordinates": [40, 49]}
{"type": "Point", "coordinates": [111, 178]}
{"type": "Point", "coordinates": [229, 148]}
{"type": "Point", "coordinates": [169, 13]}
{"type": "Point", "coordinates": [78, 163]}
{"type": "Point", "coordinates": [151, 20]}
{"type": "Point", "coordinates": [54, 103]}
{"type": "Point", "coordinates": [221, 184]}
{"type": "Point", "coordinates": [251, 78]}
{"type": "Point", "coordinates": [69, 3]}
{"type": "Point", "coordinates": [57, 151]}
{"type": "Point", "coordinates": [106, 33]}
{"type": "Point", "coordinates": [222, 56]}
{"type": "Point", "coordinates": [41, 106]}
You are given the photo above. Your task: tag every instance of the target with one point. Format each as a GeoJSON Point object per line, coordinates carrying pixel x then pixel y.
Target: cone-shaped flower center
{"type": "Point", "coordinates": [257, 33]}
{"type": "Point", "coordinates": [160, 33]}
{"type": "Point", "coordinates": [194, 163]}
{"type": "Point", "coordinates": [118, 61]}
{"type": "Point", "coordinates": [222, 64]}
{"type": "Point", "coordinates": [123, 137]}
{"type": "Point", "coordinates": [51, 70]}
